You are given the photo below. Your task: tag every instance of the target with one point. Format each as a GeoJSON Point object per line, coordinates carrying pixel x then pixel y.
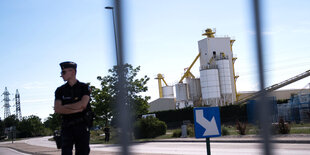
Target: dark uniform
{"type": "Point", "coordinates": [75, 127]}
{"type": "Point", "coordinates": [107, 134]}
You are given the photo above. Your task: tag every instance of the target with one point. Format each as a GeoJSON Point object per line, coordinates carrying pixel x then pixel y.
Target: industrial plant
{"type": "Point", "coordinates": [216, 85]}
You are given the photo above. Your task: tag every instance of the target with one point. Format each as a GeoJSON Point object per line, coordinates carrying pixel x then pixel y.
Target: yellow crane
{"type": "Point", "coordinates": [160, 78]}
{"type": "Point", "coordinates": [233, 66]}
{"type": "Point", "coordinates": [188, 73]}
{"type": "Point", "coordinates": [210, 34]}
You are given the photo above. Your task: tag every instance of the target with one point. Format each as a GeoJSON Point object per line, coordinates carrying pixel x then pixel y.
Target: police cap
{"type": "Point", "coordinates": [68, 64]}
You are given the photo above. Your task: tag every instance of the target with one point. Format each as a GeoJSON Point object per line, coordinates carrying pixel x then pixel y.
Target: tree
{"type": "Point", "coordinates": [24, 128]}
{"type": "Point", "coordinates": [101, 103]}
{"type": "Point", "coordinates": [30, 126]}
{"type": "Point", "coordinates": [53, 122]}
{"type": "Point", "coordinates": [1, 129]}
{"type": "Point", "coordinates": [11, 121]}
{"type": "Point", "coordinates": [104, 98]}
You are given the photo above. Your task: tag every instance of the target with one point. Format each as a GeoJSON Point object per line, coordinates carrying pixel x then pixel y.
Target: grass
{"type": "Point", "coordinates": [231, 130]}
{"type": "Point", "coordinates": [300, 125]}
{"type": "Point", "coordinates": [253, 130]}
{"type": "Point", "coordinates": [302, 128]}
{"type": "Point", "coordinates": [300, 131]}
{"type": "Point", "coordinates": [166, 136]}
{"type": "Point", "coordinates": [98, 138]}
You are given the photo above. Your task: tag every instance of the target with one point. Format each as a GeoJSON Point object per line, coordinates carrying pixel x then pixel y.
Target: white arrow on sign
{"type": "Point", "coordinates": [210, 126]}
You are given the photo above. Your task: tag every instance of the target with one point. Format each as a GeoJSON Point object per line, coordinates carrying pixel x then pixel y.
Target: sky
{"type": "Point", "coordinates": [160, 36]}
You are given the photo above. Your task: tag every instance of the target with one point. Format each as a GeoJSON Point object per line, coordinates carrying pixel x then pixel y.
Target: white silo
{"type": "Point", "coordinates": [168, 92]}
{"type": "Point", "coordinates": [225, 80]}
{"type": "Point", "coordinates": [194, 89]}
{"type": "Point", "coordinates": [181, 92]}
{"type": "Point", "coordinates": [210, 87]}
{"type": "Point", "coordinates": [213, 48]}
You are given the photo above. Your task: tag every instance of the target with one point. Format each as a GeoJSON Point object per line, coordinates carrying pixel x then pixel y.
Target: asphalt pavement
{"type": "Point", "coordinates": [8, 151]}
{"type": "Point", "coordinates": [30, 146]}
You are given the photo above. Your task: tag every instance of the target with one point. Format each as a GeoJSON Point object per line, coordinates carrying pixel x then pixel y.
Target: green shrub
{"type": "Point", "coordinates": [281, 127]}
{"type": "Point", "coordinates": [252, 129]}
{"type": "Point", "coordinates": [241, 127]}
{"type": "Point", "coordinates": [149, 127]}
{"type": "Point", "coordinates": [47, 132]}
{"type": "Point", "coordinates": [190, 130]}
{"type": "Point", "coordinates": [177, 133]}
{"type": "Point", "coordinates": [224, 131]}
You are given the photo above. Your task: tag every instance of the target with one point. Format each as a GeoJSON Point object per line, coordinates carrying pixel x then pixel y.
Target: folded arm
{"type": "Point", "coordinates": [61, 109]}
{"type": "Point", "coordinates": [82, 104]}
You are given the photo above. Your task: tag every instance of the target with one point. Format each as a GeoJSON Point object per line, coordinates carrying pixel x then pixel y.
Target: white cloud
{"type": "Point", "coordinates": [264, 32]}
{"type": "Point", "coordinates": [251, 32]}
{"type": "Point", "coordinates": [38, 100]}
{"type": "Point", "coordinates": [269, 32]}
{"type": "Point", "coordinates": [301, 30]}
{"type": "Point", "coordinates": [34, 85]}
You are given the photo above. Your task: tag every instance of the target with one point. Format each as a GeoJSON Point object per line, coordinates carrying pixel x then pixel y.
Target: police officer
{"type": "Point", "coordinates": [72, 102]}
{"type": "Point", "coordinates": [107, 134]}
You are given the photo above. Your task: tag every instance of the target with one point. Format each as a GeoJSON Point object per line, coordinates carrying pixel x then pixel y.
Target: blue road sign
{"type": "Point", "coordinates": [207, 122]}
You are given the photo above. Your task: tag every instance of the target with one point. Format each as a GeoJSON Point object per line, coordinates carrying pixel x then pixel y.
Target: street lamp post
{"type": "Point", "coordinates": [122, 83]}
{"type": "Point", "coordinates": [111, 8]}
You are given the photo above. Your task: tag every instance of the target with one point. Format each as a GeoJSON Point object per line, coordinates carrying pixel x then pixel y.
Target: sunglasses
{"type": "Point", "coordinates": [64, 72]}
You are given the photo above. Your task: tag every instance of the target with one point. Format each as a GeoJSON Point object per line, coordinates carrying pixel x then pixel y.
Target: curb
{"type": "Point", "coordinates": [296, 140]}
{"type": "Point", "coordinates": [229, 141]}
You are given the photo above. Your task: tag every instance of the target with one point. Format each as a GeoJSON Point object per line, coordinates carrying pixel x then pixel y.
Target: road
{"type": "Point", "coordinates": [8, 151]}
{"type": "Point", "coordinates": [191, 148]}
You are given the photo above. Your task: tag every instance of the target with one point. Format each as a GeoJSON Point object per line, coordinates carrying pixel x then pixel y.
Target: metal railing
{"type": "Point", "coordinates": [122, 100]}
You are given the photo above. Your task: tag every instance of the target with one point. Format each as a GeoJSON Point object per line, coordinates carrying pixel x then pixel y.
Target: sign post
{"type": "Point", "coordinates": [207, 124]}
{"type": "Point", "coordinates": [208, 146]}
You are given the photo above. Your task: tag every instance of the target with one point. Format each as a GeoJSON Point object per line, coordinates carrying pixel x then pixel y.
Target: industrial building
{"type": "Point", "coordinates": [279, 94]}
{"type": "Point", "coordinates": [162, 104]}
{"type": "Point", "coordinates": [216, 85]}
{"type": "Point", "coordinates": [297, 109]}
{"type": "Point", "coordinates": [217, 77]}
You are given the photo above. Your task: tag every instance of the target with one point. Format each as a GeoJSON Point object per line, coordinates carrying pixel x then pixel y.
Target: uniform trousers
{"type": "Point", "coordinates": [79, 136]}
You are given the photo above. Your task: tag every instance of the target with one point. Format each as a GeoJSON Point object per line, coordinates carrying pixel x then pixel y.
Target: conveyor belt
{"type": "Point", "coordinates": [276, 86]}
